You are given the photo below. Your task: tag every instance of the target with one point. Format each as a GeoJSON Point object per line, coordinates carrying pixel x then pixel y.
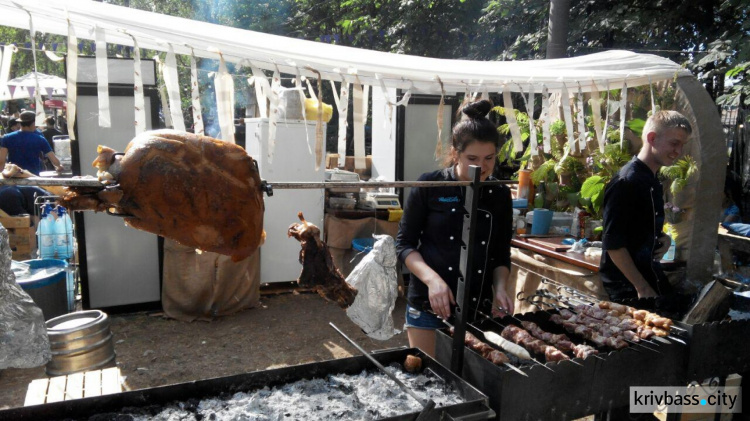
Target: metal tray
{"type": "Point", "coordinates": [474, 408]}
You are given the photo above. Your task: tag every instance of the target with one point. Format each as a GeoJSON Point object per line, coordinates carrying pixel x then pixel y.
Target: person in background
{"type": "Point", "coordinates": [27, 147]}
{"type": "Point", "coordinates": [633, 241]}
{"type": "Point", "coordinates": [13, 125]}
{"type": "Point", "coordinates": [429, 236]}
{"type": "Point", "coordinates": [50, 131]}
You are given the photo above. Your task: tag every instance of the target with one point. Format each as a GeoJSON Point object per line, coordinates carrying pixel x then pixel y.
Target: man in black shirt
{"type": "Point", "coordinates": [50, 131]}
{"type": "Point", "coordinates": [633, 241]}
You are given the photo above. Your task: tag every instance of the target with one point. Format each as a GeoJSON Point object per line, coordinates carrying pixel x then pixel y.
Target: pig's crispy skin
{"type": "Point", "coordinates": [199, 191]}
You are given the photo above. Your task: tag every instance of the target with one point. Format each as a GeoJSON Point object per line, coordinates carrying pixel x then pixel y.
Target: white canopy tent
{"type": "Point", "coordinates": [23, 86]}
{"type": "Point", "coordinates": [595, 72]}
{"type": "Point", "coordinates": [158, 32]}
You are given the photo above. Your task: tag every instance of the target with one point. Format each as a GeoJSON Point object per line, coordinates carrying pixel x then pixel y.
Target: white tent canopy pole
{"type": "Point", "coordinates": [156, 31]}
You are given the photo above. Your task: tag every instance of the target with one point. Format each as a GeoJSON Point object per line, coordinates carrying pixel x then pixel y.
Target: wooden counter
{"type": "Point", "coordinates": [576, 259]}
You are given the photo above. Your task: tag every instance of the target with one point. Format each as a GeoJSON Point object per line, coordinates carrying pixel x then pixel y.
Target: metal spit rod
{"type": "Point", "coordinates": [95, 183]}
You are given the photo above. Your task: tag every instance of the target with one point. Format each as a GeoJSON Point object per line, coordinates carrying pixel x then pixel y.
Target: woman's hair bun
{"type": "Point", "coordinates": [478, 109]}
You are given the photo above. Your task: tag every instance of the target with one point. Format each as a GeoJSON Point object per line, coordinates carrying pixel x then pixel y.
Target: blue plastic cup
{"type": "Point", "coordinates": [541, 221]}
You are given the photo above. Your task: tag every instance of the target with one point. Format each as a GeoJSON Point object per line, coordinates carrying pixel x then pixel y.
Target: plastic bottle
{"type": "Point", "coordinates": [63, 234]}
{"type": "Point", "coordinates": [46, 234]}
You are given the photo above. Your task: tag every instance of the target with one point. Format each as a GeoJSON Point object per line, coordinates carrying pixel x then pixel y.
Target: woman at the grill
{"type": "Point", "coordinates": [429, 237]}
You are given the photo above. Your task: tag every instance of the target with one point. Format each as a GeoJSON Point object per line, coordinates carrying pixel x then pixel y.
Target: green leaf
{"type": "Point", "coordinates": [636, 125]}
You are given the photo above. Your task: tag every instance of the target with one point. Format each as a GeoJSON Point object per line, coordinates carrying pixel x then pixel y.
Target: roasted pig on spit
{"type": "Point", "coordinates": [318, 270]}
{"type": "Point", "coordinates": [199, 191]}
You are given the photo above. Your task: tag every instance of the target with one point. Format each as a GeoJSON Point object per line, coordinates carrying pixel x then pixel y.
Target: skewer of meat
{"type": "Point", "coordinates": [524, 338]}
{"type": "Point", "coordinates": [588, 333]}
{"type": "Point", "coordinates": [651, 319]}
{"type": "Point", "coordinates": [561, 341]}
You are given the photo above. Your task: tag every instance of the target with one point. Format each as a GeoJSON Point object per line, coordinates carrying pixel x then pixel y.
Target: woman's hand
{"type": "Point", "coordinates": [502, 304]}
{"type": "Point", "coordinates": [441, 297]}
{"type": "Point", "coordinates": [646, 291]}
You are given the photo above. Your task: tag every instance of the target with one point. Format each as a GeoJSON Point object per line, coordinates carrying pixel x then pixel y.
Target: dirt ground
{"type": "Point", "coordinates": [287, 329]}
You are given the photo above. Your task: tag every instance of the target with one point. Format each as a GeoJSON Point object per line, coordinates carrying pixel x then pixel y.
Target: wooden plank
{"type": "Point", "coordinates": [74, 389]}
{"type": "Point", "coordinates": [37, 392]}
{"type": "Point", "coordinates": [111, 381]}
{"type": "Point", "coordinates": [712, 304]}
{"type": "Point", "coordinates": [15, 222]}
{"type": "Point", "coordinates": [92, 383]}
{"type": "Point", "coordinates": [56, 392]}
{"type": "Point", "coordinates": [552, 243]}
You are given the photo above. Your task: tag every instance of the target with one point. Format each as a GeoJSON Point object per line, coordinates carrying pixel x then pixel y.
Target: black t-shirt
{"type": "Point", "coordinates": [633, 219]}
{"type": "Point", "coordinates": [49, 134]}
{"type": "Point", "coordinates": [432, 224]}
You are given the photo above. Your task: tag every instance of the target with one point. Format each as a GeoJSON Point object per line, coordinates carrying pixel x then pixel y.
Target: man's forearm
{"type": "Point", "coordinates": [621, 258]}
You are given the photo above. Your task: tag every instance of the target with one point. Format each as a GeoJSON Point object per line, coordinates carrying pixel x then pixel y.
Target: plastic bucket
{"type": "Point", "coordinates": [363, 244]}
{"type": "Point", "coordinates": [79, 341]}
{"type": "Point", "coordinates": [542, 221]}
{"type": "Point", "coordinates": [47, 285]}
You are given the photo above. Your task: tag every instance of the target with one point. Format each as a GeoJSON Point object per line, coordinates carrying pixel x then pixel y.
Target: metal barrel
{"type": "Point", "coordinates": [80, 341]}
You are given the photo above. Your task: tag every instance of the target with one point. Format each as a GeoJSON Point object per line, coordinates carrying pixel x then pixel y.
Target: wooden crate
{"type": "Point", "coordinates": [20, 235]}
{"type": "Point", "coordinates": [74, 386]}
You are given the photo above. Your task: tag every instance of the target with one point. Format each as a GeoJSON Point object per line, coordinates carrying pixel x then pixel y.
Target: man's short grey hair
{"type": "Point", "coordinates": [665, 120]}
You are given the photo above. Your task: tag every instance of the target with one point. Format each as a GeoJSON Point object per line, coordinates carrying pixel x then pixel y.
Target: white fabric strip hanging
{"type": "Point", "coordinates": [8, 51]}
{"type": "Point", "coordinates": [342, 106]}
{"type": "Point", "coordinates": [545, 120]}
{"type": "Point", "coordinates": [273, 116]}
{"type": "Point", "coordinates": [195, 97]}
{"type": "Point", "coordinates": [262, 90]}
{"type": "Point", "coordinates": [554, 106]}
{"type": "Point", "coordinates": [139, 100]}
{"type": "Point", "coordinates": [361, 94]}
{"type": "Point", "coordinates": [102, 78]}
{"type": "Point", "coordinates": [581, 121]}
{"type": "Point", "coordinates": [565, 104]}
{"type": "Point", "coordinates": [173, 90]}
{"type": "Point", "coordinates": [391, 104]}
{"type": "Point", "coordinates": [441, 107]}
{"type": "Point", "coordinates": [651, 88]}
{"type": "Point", "coordinates": [319, 140]}
{"type": "Point", "coordinates": [224, 86]}
{"type": "Point", "coordinates": [607, 114]}
{"type": "Point", "coordinates": [72, 80]}
{"type": "Point", "coordinates": [163, 94]}
{"type": "Point", "coordinates": [37, 94]}
{"type": "Point", "coordinates": [510, 117]}
{"type": "Point", "coordinates": [298, 85]}
{"type": "Point", "coordinates": [596, 109]}
{"type": "Point", "coordinates": [533, 141]}
{"type": "Point", "coordinates": [623, 111]}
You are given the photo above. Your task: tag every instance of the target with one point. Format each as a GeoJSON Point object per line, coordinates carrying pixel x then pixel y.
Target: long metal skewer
{"type": "Point", "coordinates": [427, 404]}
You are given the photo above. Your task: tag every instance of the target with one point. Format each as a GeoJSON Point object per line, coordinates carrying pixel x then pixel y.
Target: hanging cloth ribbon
{"type": "Point", "coordinates": [298, 84]}
{"type": "Point", "coordinates": [510, 117]}
{"type": "Point", "coordinates": [342, 106]}
{"type": "Point", "coordinates": [72, 72]}
{"type": "Point", "coordinates": [391, 104]}
{"type": "Point", "coordinates": [37, 93]}
{"type": "Point", "coordinates": [360, 100]}
{"type": "Point", "coordinates": [173, 90]}
{"type": "Point", "coordinates": [163, 95]}
{"type": "Point", "coordinates": [545, 120]}
{"type": "Point", "coordinates": [439, 145]}
{"type": "Point", "coordinates": [565, 103]}
{"type": "Point", "coordinates": [581, 121]}
{"type": "Point", "coordinates": [195, 97]}
{"type": "Point", "coordinates": [533, 141]}
{"type": "Point", "coordinates": [102, 78]}
{"type": "Point", "coordinates": [651, 88]}
{"type": "Point", "coordinates": [319, 140]}
{"type": "Point", "coordinates": [224, 86]}
{"type": "Point", "coordinates": [596, 108]}
{"type": "Point", "coordinates": [273, 116]}
{"type": "Point", "coordinates": [607, 114]}
{"type": "Point", "coordinates": [139, 100]}
{"type": "Point", "coordinates": [8, 51]}
{"type": "Point", "coordinates": [623, 111]}
{"type": "Point", "coordinates": [262, 90]}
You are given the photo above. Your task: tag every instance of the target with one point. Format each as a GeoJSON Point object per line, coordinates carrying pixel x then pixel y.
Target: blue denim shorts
{"type": "Point", "coordinates": [422, 319]}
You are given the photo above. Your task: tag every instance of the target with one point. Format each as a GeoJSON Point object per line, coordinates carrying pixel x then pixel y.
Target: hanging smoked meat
{"type": "Point", "coordinates": [318, 270]}
{"type": "Point", "coordinates": [199, 191]}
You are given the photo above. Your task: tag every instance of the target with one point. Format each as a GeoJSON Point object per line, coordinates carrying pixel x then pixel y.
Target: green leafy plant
{"type": "Point", "coordinates": [592, 193]}
{"type": "Point", "coordinates": [679, 174]}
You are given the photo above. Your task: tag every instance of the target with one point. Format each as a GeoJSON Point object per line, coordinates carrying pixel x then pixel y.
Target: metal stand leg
{"type": "Point", "coordinates": [471, 202]}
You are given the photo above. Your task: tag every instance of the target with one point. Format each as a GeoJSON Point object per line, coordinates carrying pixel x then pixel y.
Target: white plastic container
{"type": "Point", "coordinates": [46, 234]}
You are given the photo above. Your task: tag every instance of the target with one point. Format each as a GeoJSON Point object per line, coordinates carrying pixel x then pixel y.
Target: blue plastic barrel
{"type": "Point", "coordinates": [363, 244]}
{"type": "Point", "coordinates": [47, 285]}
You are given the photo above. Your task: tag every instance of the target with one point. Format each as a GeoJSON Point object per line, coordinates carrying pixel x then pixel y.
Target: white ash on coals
{"type": "Point", "coordinates": [365, 396]}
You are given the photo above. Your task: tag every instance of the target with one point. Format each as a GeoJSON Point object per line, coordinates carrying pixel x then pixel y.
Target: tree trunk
{"type": "Point", "coordinates": [557, 38]}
